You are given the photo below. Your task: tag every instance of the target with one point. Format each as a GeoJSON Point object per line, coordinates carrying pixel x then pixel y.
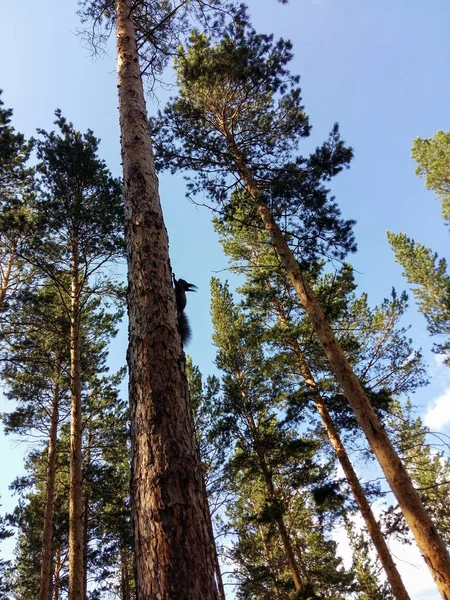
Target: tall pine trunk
{"type": "Point", "coordinates": [47, 554]}
{"type": "Point", "coordinates": [372, 525]}
{"type": "Point", "coordinates": [173, 549]}
{"type": "Point", "coordinates": [427, 538]}
{"type": "Point", "coordinates": [76, 562]}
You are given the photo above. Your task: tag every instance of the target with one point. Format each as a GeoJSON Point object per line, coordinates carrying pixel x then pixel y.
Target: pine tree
{"type": "Point", "coordinates": [168, 501]}
{"type": "Point", "coordinates": [424, 269]}
{"type": "Point", "coordinates": [421, 266]}
{"type": "Point", "coordinates": [238, 118]}
{"type": "Point", "coordinates": [433, 163]}
{"type": "Point", "coordinates": [16, 187]}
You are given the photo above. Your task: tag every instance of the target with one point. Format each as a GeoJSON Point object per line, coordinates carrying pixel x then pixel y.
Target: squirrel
{"type": "Point", "coordinates": [181, 287]}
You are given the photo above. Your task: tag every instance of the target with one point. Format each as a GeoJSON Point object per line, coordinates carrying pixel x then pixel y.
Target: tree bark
{"type": "Point", "coordinates": [428, 540]}
{"type": "Point", "coordinates": [173, 550]}
{"type": "Point", "coordinates": [47, 554]}
{"type": "Point", "coordinates": [76, 562]}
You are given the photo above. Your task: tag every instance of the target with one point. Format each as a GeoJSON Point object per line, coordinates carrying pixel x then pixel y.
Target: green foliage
{"type": "Point", "coordinates": [425, 270]}
{"type": "Point", "coordinates": [270, 469]}
{"type": "Point", "coordinates": [425, 455]}
{"type": "Point", "coordinates": [16, 192]}
{"type": "Point", "coordinates": [433, 163]}
{"type": "Point", "coordinates": [77, 200]}
{"type": "Point", "coordinates": [240, 110]}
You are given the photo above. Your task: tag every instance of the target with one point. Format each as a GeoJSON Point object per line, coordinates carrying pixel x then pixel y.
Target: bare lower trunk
{"type": "Point", "coordinates": [47, 554]}
{"type": "Point", "coordinates": [76, 562]}
{"type": "Point", "coordinates": [173, 553]}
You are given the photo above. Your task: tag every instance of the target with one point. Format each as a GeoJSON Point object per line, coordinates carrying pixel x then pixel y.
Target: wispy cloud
{"type": "Point", "coordinates": [437, 415]}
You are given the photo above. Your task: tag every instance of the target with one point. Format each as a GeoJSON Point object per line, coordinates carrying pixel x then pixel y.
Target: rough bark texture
{"type": "Point", "coordinates": [173, 550]}
{"type": "Point", "coordinates": [372, 525]}
{"type": "Point", "coordinates": [46, 566]}
{"type": "Point", "coordinates": [76, 563]}
{"type": "Point", "coordinates": [427, 538]}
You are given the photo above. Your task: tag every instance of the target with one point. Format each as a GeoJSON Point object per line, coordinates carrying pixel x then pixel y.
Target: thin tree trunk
{"type": "Point", "coordinates": [86, 502]}
{"type": "Point", "coordinates": [124, 573]}
{"type": "Point", "coordinates": [56, 580]}
{"type": "Point", "coordinates": [286, 541]}
{"type": "Point", "coordinates": [76, 562]}
{"type": "Point", "coordinates": [47, 554]}
{"type": "Point", "coordinates": [270, 562]}
{"type": "Point", "coordinates": [428, 540]}
{"type": "Point", "coordinates": [173, 552]}
{"type": "Point", "coordinates": [372, 525]}
{"type": "Point", "coordinates": [6, 275]}
{"type": "Point", "coordinates": [219, 580]}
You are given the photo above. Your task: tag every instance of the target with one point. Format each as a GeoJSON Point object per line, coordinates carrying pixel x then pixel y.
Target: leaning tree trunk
{"type": "Point", "coordinates": [76, 563]}
{"type": "Point", "coordinates": [372, 525]}
{"type": "Point", "coordinates": [47, 554]}
{"type": "Point", "coordinates": [427, 538]}
{"type": "Point", "coordinates": [173, 550]}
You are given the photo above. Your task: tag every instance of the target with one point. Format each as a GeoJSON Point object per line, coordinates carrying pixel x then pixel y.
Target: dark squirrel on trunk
{"type": "Point", "coordinates": [181, 287]}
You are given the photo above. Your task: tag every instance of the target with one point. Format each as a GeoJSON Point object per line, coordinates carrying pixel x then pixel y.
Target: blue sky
{"type": "Point", "coordinates": [381, 69]}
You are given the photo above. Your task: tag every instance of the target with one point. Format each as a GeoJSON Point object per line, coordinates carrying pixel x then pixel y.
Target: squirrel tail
{"type": "Point", "coordinates": [185, 328]}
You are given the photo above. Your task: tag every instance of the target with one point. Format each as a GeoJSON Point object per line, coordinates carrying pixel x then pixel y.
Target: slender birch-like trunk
{"type": "Point", "coordinates": [427, 538]}
{"type": "Point", "coordinates": [173, 549]}
{"type": "Point", "coordinates": [76, 562]}
{"type": "Point", "coordinates": [47, 553]}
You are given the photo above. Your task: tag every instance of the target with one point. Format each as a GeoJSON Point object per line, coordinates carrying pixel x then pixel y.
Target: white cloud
{"type": "Point", "coordinates": [410, 563]}
{"type": "Point", "coordinates": [437, 415]}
